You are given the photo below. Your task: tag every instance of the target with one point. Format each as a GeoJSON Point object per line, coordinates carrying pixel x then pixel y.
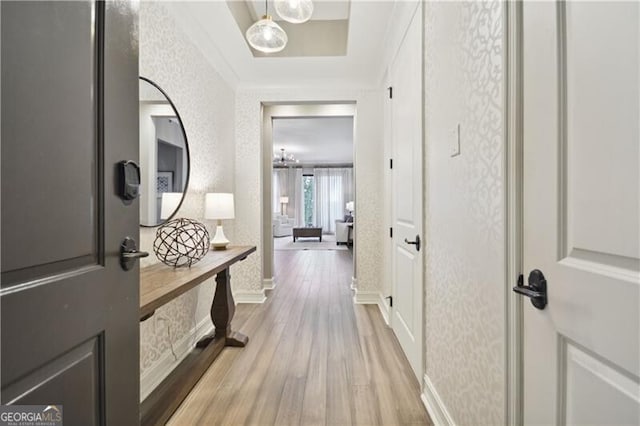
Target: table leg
{"type": "Point", "coordinates": [222, 310]}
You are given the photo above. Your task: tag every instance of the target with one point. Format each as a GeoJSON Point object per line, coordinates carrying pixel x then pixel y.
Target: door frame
{"type": "Point", "coordinates": [271, 110]}
{"type": "Point", "coordinates": [513, 166]}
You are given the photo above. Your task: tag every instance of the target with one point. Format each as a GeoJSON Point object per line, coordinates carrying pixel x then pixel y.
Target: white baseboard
{"type": "Point", "coordinates": [366, 297]}
{"type": "Point", "coordinates": [268, 284]}
{"type": "Point", "coordinates": [434, 405]}
{"type": "Point", "coordinates": [372, 298]}
{"type": "Point", "coordinates": [249, 296]}
{"type": "Point", "coordinates": [384, 308]}
{"type": "Point", "coordinates": [155, 374]}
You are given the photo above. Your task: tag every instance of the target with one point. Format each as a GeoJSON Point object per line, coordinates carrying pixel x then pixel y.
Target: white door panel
{"type": "Point", "coordinates": [404, 297]}
{"type": "Point", "coordinates": [581, 212]}
{"type": "Point", "coordinates": [406, 133]}
{"type": "Point", "coordinates": [602, 121]}
{"type": "Point", "coordinates": [597, 393]}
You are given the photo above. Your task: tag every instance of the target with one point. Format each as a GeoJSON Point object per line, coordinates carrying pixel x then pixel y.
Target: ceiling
{"type": "Point", "coordinates": [323, 10]}
{"type": "Point", "coordinates": [315, 140]}
{"type": "Point", "coordinates": [350, 53]}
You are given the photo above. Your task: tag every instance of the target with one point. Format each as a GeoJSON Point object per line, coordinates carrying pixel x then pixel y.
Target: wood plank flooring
{"type": "Point", "coordinates": [313, 357]}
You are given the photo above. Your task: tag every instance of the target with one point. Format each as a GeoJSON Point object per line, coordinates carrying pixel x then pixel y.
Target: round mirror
{"type": "Point", "coordinates": [164, 156]}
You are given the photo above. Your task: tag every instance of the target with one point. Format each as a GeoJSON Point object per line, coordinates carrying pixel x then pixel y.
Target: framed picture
{"type": "Point", "coordinates": [164, 182]}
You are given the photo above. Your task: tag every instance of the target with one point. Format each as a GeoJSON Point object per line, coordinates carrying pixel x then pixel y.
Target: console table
{"type": "Point", "coordinates": [159, 284]}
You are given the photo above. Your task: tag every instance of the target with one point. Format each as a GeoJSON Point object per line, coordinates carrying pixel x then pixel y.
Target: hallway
{"type": "Point", "coordinates": [313, 357]}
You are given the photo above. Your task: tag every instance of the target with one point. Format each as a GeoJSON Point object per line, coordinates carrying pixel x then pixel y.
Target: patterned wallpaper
{"type": "Point", "coordinates": [369, 167]}
{"type": "Point", "coordinates": [206, 105]}
{"type": "Point", "coordinates": [464, 209]}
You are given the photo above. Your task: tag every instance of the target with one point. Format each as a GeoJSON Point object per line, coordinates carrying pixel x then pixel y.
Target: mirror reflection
{"type": "Point", "coordinates": [164, 156]}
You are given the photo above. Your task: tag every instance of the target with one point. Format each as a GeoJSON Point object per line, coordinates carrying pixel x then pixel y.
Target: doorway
{"type": "Point", "coordinates": [309, 181]}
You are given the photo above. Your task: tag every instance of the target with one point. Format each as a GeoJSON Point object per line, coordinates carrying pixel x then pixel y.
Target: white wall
{"type": "Point", "coordinates": [206, 105]}
{"type": "Point", "coordinates": [247, 281]}
{"type": "Point", "coordinates": [464, 210]}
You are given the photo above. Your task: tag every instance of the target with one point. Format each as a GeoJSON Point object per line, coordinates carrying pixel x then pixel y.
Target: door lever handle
{"type": "Point", "coordinates": [414, 243]}
{"type": "Point", "coordinates": [129, 253]}
{"type": "Point", "coordinates": [525, 290]}
{"type": "Point", "coordinates": [134, 254]}
{"type": "Point", "coordinates": [536, 290]}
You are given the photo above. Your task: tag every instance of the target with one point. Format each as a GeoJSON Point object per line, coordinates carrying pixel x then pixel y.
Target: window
{"type": "Point", "coordinates": [307, 191]}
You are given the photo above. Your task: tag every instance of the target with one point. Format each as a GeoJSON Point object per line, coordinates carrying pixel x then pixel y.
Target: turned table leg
{"type": "Point", "coordinates": [222, 310]}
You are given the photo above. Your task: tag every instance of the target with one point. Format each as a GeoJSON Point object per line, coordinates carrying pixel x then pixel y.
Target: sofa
{"type": "Point", "coordinates": [282, 226]}
{"type": "Point", "coordinates": [342, 230]}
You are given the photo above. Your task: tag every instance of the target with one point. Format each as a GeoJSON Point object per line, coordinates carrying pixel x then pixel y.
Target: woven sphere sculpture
{"type": "Point", "coordinates": [181, 242]}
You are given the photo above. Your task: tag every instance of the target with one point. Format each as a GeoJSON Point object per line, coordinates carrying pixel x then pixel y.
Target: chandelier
{"type": "Point", "coordinates": [283, 159]}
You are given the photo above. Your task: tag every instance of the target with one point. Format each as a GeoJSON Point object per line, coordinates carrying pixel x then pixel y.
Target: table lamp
{"type": "Point", "coordinates": [283, 202]}
{"type": "Point", "coordinates": [350, 206]}
{"type": "Point", "coordinates": [219, 206]}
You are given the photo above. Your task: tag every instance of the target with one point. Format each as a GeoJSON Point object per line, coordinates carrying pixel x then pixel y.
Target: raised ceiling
{"type": "Point", "coordinates": [323, 10]}
{"type": "Point", "coordinates": [316, 140]}
{"type": "Point", "coordinates": [214, 28]}
{"type": "Point", "coordinates": [316, 37]}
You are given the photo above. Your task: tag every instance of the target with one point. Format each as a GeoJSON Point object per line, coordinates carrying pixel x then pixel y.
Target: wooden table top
{"type": "Point", "coordinates": [160, 283]}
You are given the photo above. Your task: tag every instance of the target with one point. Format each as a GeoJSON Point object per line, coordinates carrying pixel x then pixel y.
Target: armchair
{"type": "Point", "coordinates": [282, 226]}
{"type": "Point", "coordinates": [342, 231]}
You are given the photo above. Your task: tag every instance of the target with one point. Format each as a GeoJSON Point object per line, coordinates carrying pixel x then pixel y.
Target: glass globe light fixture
{"type": "Point", "coordinates": [294, 11]}
{"type": "Point", "coordinates": [266, 36]}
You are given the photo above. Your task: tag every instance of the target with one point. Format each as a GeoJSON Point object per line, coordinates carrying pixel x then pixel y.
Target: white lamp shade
{"type": "Point", "coordinates": [266, 36]}
{"type": "Point", "coordinates": [349, 206]}
{"type": "Point", "coordinates": [219, 205]}
{"type": "Point", "coordinates": [294, 11]}
{"type": "Point", "coordinates": [169, 204]}
{"type": "Point", "coordinates": [284, 200]}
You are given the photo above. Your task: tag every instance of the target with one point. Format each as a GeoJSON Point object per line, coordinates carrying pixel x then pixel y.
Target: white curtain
{"type": "Point", "coordinates": [288, 183]}
{"type": "Point", "coordinates": [333, 188]}
{"type": "Point", "coordinates": [298, 201]}
{"type": "Point", "coordinates": [348, 193]}
{"type": "Point", "coordinates": [279, 185]}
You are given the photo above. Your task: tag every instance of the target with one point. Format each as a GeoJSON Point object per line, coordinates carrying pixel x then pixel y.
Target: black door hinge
{"type": "Point", "coordinates": [390, 300]}
{"type": "Point", "coordinates": [390, 89]}
{"type": "Point", "coordinates": [390, 232]}
{"type": "Point", "coordinates": [391, 163]}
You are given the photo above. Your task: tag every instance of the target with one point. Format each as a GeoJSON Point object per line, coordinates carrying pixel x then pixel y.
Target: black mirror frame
{"type": "Point", "coordinates": [186, 145]}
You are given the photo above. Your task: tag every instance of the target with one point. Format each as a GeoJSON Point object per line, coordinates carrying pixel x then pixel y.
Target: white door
{"type": "Point", "coordinates": [406, 123]}
{"type": "Point", "coordinates": [581, 213]}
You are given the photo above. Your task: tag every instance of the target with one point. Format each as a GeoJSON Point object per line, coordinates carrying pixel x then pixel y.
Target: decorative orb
{"type": "Point", "coordinates": [181, 242]}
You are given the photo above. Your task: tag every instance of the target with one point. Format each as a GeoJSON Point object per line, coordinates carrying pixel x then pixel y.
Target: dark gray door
{"type": "Point", "coordinates": [69, 313]}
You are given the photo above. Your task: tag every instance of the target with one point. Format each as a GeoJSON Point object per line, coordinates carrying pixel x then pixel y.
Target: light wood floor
{"type": "Point", "coordinates": [313, 357]}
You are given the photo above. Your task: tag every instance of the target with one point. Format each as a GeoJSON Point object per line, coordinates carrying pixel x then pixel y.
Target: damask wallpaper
{"type": "Point", "coordinates": [206, 105]}
{"type": "Point", "coordinates": [464, 209]}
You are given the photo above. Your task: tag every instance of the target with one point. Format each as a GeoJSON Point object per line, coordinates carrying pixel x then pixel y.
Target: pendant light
{"type": "Point", "coordinates": [294, 11]}
{"type": "Point", "coordinates": [265, 35]}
